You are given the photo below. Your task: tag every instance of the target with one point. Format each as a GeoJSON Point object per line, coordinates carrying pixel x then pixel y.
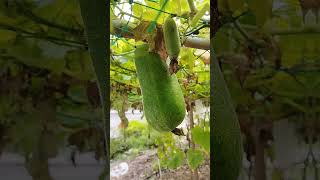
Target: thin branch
{"type": "Point", "coordinates": [255, 46]}
{"type": "Point", "coordinates": [287, 32]}
{"type": "Point", "coordinates": [312, 30]}
{"type": "Point", "coordinates": [62, 43]}
{"type": "Point", "coordinates": [197, 29]}
{"type": "Point", "coordinates": [192, 42]}
{"type": "Point", "coordinates": [197, 43]}
{"type": "Point", "coordinates": [122, 83]}
{"type": "Point", "coordinates": [131, 15]}
{"type": "Point", "coordinates": [242, 32]}
{"type": "Point", "coordinates": [155, 9]}
{"type": "Point", "coordinates": [115, 63]}
{"type": "Point", "coordinates": [125, 53]}
{"type": "Point", "coordinates": [52, 39]}
{"type": "Point", "coordinates": [201, 54]}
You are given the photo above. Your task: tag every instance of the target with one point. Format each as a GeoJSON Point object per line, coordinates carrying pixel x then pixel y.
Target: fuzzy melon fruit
{"type": "Point", "coordinates": [171, 37]}
{"type": "Point", "coordinates": [227, 142]}
{"type": "Point", "coordinates": [163, 100]}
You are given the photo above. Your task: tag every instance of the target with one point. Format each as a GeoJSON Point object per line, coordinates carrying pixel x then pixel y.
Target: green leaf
{"type": "Point", "coordinates": [64, 12]}
{"type": "Point", "coordinates": [203, 77]}
{"type": "Point", "coordinates": [236, 4]}
{"type": "Point", "coordinates": [223, 6]}
{"type": "Point", "coordinates": [37, 84]}
{"type": "Point", "coordinates": [6, 36]}
{"type": "Point", "coordinates": [29, 52]}
{"type": "Point", "coordinates": [25, 134]}
{"type": "Point", "coordinates": [295, 105]}
{"type": "Point", "coordinates": [175, 159]}
{"type": "Point", "coordinates": [285, 85]}
{"type": "Point", "coordinates": [195, 158]}
{"type": "Point", "coordinates": [178, 7]}
{"type": "Point", "coordinates": [78, 94]}
{"type": "Point", "coordinates": [71, 122]}
{"type": "Point", "coordinates": [199, 14]}
{"type": "Point", "coordinates": [137, 10]}
{"type": "Point", "coordinates": [222, 43]}
{"type": "Point", "coordinates": [201, 137]}
{"type": "Point", "coordinates": [262, 10]}
{"type": "Point", "coordinates": [187, 58]}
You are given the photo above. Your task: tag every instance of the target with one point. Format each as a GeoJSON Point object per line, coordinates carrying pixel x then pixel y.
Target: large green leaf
{"type": "Point", "coordinates": [195, 158]}
{"type": "Point", "coordinates": [261, 9]}
{"type": "Point", "coordinates": [236, 4]}
{"type": "Point", "coordinates": [78, 94]}
{"type": "Point", "coordinates": [175, 159]}
{"type": "Point", "coordinates": [201, 137]}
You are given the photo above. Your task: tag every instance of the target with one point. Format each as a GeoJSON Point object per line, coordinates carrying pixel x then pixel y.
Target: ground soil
{"type": "Point", "coordinates": [140, 168]}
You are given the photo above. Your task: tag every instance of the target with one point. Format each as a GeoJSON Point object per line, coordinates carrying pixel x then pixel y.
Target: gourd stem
{"type": "Point", "coordinates": [192, 7]}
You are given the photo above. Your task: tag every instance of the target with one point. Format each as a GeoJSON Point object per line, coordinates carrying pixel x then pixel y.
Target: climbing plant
{"type": "Point", "coordinates": [49, 88]}
{"type": "Point", "coordinates": [141, 22]}
{"type": "Point", "coordinates": [268, 53]}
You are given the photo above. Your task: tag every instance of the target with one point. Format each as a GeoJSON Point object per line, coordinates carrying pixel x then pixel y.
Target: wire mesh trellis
{"type": "Point", "coordinates": [125, 29]}
{"type": "Point", "coordinates": [153, 22]}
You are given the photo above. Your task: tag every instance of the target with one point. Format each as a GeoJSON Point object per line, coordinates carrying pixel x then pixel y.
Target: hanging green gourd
{"type": "Point", "coordinates": [163, 100]}
{"type": "Point", "coordinates": [172, 43]}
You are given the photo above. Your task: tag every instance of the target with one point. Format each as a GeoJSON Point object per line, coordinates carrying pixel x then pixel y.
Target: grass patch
{"type": "Point", "coordinates": [137, 137]}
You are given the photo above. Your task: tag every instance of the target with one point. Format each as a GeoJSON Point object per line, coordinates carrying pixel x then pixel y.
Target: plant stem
{"type": "Point", "coordinates": [192, 42]}
{"type": "Point", "coordinates": [194, 173]}
{"type": "Point", "coordinates": [125, 13]}
{"type": "Point", "coordinates": [192, 7]}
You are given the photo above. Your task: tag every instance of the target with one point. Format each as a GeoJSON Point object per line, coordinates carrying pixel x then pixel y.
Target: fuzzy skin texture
{"type": "Point", "coordinates": [227, 142]}
{"type": "Point", "coordinates": [163, 100]}
{"type": "Point", "coordinates": [171, 38]}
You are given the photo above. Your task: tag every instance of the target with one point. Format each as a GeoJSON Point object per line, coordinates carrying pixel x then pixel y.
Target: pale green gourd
{"type": "Point", "coordinates": [171, 38]}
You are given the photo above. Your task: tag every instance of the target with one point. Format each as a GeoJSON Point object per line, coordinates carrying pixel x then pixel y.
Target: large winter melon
{"type": "Point", "coordinates": [163, 100]}
{"type": "Point", "coordinates": [227, 144]}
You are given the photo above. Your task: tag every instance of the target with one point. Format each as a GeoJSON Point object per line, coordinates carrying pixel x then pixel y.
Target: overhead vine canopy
{"type": "Point", "coordinates": [269, 54]}
{"type": "Point", "coordinates": [49, 98]}
{"type": "Point", "coordinates": [46, 70]}
{"type": "Point", "coordinates": [272, 53]}
{"type": "Point", "coordinates": [137, 22]}
{"type": "Point", "coordinates": [133, 23]}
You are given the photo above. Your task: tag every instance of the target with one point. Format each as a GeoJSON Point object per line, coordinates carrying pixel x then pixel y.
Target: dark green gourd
{"type": "Point", "coordinates": [227, 144]}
